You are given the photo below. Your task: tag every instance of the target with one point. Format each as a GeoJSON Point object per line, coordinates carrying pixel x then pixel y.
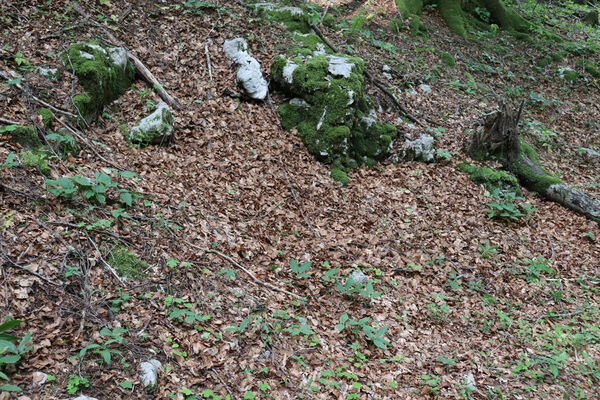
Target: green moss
{"type": "Point", "coordinates": [311, 42]}
{"type": "Point", "coordinates": [294, 22]}
{"type": "Point", "coordinates": [26, 136]}
{"type": "Point", "coordinates": [536, 180]}
{"type": "Point", "coordinates": [47, 117]}
{"type": "Point", "coordinates": [127, 264]}
{"type": "Point", "coordinates": [505, 17]}
{"type": "Point", "coordinates": [340, 176]}
{"type": "Point", "coordinates": [329, 21]}
{"type": "Point", "coordinates": [329, 110]}
{"type": "Point", "coordinates": [36, 160]}
{"type": "Point", "coordinates": [570, 75]}
{"type": "Point", "coordinates": [557, 56]}
{"type": "Point", "coordinates": [491, 178]}
{"type": "Point", "coordinates": [447, 59]}
{"type": "Point", "coordinates": [543, 62]}
{"type": "Point", "coordinates": [396, 25]}
{"type": "Point", "coordinates": [101, 76]}
{"type": "Point", "coordinates": [589, 67]}
{"type": "Point", "coordinates": [453, 15]}
{"type": "Point", "coordinates": [409, 7]}
{"type": "Point", "coordinates": [416, 28]}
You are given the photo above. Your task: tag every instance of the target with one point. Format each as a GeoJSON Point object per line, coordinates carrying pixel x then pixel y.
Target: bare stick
{"type": "Point", "coordinates": [208, 61]}
{"type": "Point", "coordinates": [88, 145]}
{"type": "Point", "coordinates": [42, 102]}
{"type": "Point", "coordinates": [246, 271]}
{"type": "Point", "coordinates": [22, 268]}
{"type": "Point", "coordinates": [8, 121]}
{"type": "Point", "coordinates": [141, 68]}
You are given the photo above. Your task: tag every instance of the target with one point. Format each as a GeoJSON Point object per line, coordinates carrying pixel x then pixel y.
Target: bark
{"type": "Point", "coordinates": [499, 136]}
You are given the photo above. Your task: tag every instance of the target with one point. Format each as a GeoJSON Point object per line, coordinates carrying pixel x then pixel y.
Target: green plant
{"type": "Point", "coordinates": [372, 333]}
{"type": "Point", "coordinates": [535, 267]}
{"type": "Point", "coordinates": [431, 382]}
{"type": "Point", "coordinates": [487, 250]}
{"type": "Point", "coordinates": [75, 383]}
{"type": "Point", "coordinates": [12, 160]}
{"type": "Point", "coordinates": [183, 311]}
{"type": "Point", "coordinates": [11, 349]}
{"type": "Point", "coordinates": [94, 190]}
{"type": "Point", "coordinates": [505, 209]}
{"type": "Point", "coordinates": [127, 264]}
{"type": "Point", "coordinates": [104, 349]}
{"type": "Point", "coordinates": [300, 269]}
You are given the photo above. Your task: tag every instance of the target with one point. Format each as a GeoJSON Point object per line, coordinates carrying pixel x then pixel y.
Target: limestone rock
{"type": "Point", "coordinates": [39, 378]}
{"type": "Point", "coordinates": [104, 72]}
{"type": "Point", "coordinates": [156, 128]}
{"type": "Point", "coordinates": [249, 77]}
{"type": "Point", "coordinates": [149, 373]}
{"type": "Point", "coordinates": [82, 397]}
{"type": "Point", "coordinates": [359, 277]}
{"type": "Point", "coordinates": [420, 149]}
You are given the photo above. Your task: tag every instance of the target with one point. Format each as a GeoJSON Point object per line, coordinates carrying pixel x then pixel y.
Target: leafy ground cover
{"type": "Point", "coordinates": [398, 285]}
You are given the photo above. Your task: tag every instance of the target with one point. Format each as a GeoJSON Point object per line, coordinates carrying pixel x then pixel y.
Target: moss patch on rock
{"type": "Point", "coordinates": [294, 18]}
{"type": "Point", "coordinates": [156, 128]}
{"type": "Point", "coordinates": [47, 117]}
{"type": "Point", "coordinates": [127, 264]}
{"type": "Point", "coordinates": [589, 67]}
{"type": "Point", "coordinates": [104, 72]}
{"type": "Point", "coordinates": [330, 111]}
{"type": "Point", "coordinates": [36, 160]}
{"type": "Point", "coordinates": [491, 178]}
{"type": "Point", "coordinates": [447, 59]}
{"type": "Point", "coordinates": [26, 136]}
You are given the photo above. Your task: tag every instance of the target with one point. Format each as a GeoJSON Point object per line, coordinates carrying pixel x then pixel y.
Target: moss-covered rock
{"type": "Point", "coordinates": [47, 118]}
{"type": "Point", "coordinates": [330, 111]}
{"type": "Point", "coordinates": [26, 136]}
{"type": "Point", "coordinates": [52, 74]}
{"type": "Point", "coordinates": [104, 72]}
{"type": "Point", "coordinates": [294, 18]}
{"type": "Point", "coordinates": [156, 128]}
{"type": "Point", "coordinates": [491, 178]}
{"type": "Point", "coordinates": [568, 74]}
{"type": "Point", "coordinates": [589, 67]}
{"type": "Point", "coordinates": [447, 59]}
{"type": "Point", "coordinates": [36, 160]}
{"type": "Point", "coordinates": [543, 62]}
{"type": "Point", "coordinates": [127, 264]}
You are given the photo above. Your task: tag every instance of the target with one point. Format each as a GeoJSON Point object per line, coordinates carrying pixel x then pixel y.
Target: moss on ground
{"type": "Point", "coordinates": [491, 178]}
{"type": "Point", "coordinates": [589, 67]}
{"type": "Point", "coordinates": [538, 179]}
{"type": "Point", "coordinates": [47, 118]}
{"type": "Point", "coordinates": [104, 72]}
{"type": "Point", "coordinates": [26, 136]}
{"type": "Point", "coordinates": [127, 264]}
{"type": "Point", "coordinates": [36, 160]}
{"type": "Point", "coordinates": [447, 59]}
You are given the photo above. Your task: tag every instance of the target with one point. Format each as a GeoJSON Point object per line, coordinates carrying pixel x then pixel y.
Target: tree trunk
{"type": "Point", "coordinates": [499, 137]}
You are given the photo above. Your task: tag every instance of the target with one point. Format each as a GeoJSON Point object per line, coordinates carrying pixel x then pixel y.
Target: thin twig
{"type": "Point", "coordinates": [22, 268]}
{"type": "Point", "coordinates": [245, 270]}
{"type": "Point", "coordinates": [42, 102]}
{"type": "Point", "coordinates": [208, 61]}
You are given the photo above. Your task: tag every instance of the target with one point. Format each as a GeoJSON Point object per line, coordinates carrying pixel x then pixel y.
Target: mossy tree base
{"type": "Point", "coordinates": [459, 15]}
{"type": "Point", "coordinates": [500, 138]}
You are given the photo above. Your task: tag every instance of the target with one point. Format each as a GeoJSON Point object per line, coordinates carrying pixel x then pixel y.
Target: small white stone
{"type": "Point", "coordinates": [82, 397]}
{"type": "Point", "coordinates": [86, 55]}
{"type": "Point", "coordinates": [288, 71]}
{"type": "Point", "coordinates": [49, 73]}
{"type": "Point", "coordinates": [359, 276]}
{"type": "Point", "coordinates": [386, 68]}
{"type": "Point", "coordinates": [425, 88]}
{"type": "Point", "coordinates": [39, 378]}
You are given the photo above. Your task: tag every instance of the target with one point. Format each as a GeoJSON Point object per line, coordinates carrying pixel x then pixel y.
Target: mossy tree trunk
{"type": "Point", "coordinates": [499, 136]}
{"type": "Point", "coordinates": [458, 14]}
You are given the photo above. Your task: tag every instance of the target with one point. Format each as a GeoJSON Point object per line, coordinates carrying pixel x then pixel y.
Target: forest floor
{"type": "Point", "coordinates": [474, 307]}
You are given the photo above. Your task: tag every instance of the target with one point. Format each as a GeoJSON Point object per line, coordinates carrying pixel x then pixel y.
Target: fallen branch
{"type": "Point", "coordinates": [22, 268]}
{"type": "Point", "coordinates": [42, 102]}
{"type": "Point", "coordinates": [208, 61]}
{"type": "Point", "coordinates": [8, 121]}
{"type": "Point", "coordinates": [246, 271]}
{"type": "Point", "coordinates": [370, 76]}
{"type": "Point", "coordinates": [140, 67]}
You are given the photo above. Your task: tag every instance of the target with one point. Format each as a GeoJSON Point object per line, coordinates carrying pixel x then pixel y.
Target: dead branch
{"type": "Point", "coordinates": [140, 67]}
{"type": "Point", "coordinates": [246, 271]}
{"type": "Point", "coordinates": [8, 121]}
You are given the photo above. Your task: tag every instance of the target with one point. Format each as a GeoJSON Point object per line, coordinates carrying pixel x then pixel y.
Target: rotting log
{"type": "Point", "coordinates": [499, 136]}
